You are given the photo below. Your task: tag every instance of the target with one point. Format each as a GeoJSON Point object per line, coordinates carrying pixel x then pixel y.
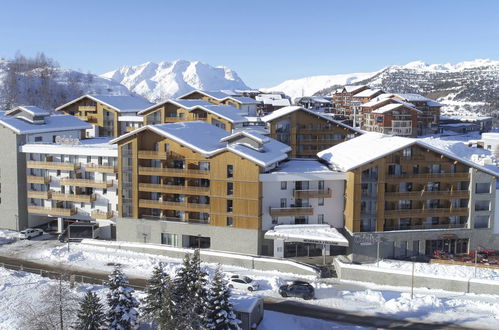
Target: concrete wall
{"type": "Point", "coordinates": [13, 182]}
{"type": "Point", "coordinates": [232, 259]}
{"type": "Point", "coordinates": [353, 272]}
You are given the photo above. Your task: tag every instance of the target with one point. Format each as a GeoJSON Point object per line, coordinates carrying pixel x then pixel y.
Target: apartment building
{"type": "Point", "coordinates": [306, 131]}
{"type": "Point", "coordinates": [343, 97]}
{"type": "Point", "coordinates": [412, 197]}
{"type": "Point", "coordinates": [225, 117]}
{"type": "Point", "coordinates": [192, 184]}
{"type": "Point", "coordinates": [27, 125]}
{"type": "Point", "coordinates": [247, 105]}
{"type": "Point", "coordinates": [429, 119]}
{"type": "Point", "coordinates": [366, 95]}
{"type": "Point", "coordinates": [317, 103]}
{"type": "Point", "coordinates": [104, 112]}
{"type": "Point", "coordinates": [72, 180]}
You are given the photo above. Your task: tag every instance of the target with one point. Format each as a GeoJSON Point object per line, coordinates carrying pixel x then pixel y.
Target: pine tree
{"type": "Point", "coordinates": [167, 318]}
{"type": "Point", "coordinates": [218, 313]}
{"type": "Point", "coordinates": [122, 314]}
{"type": "Point", "coordinates": [158, 286]}
{"type": "Point", "coordinates": [91, 314]}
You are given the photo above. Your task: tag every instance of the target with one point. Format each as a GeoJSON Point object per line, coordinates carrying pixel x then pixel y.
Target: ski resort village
{"type": "Point", "coordinates": [172, 195]}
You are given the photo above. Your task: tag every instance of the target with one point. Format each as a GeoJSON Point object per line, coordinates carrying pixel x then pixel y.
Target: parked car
{"type": "Point", "coordinates": [29, 233]}
{"type": "Point", "coordinates": [299, 289]}
{"type": "Point", "coordinates": [242, 283]}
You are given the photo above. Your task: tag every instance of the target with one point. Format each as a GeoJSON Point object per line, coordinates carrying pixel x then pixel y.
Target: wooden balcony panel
{"type": "Point", "coordinates": [39, 194]}
{"type": "Point", "coordinates": [290, 211]}
{"type": "Point", "coordinates": [74, 197]}
{"type": "Point", "coordinates": [425, 195]}
{"type": "Point", "coordinates": [52, 210]}
{"type": "Point", "coordinates": [159, 218]}
{"type": "Point", "coordinates": [150, 154]}
{"type": "Point", "coordinates": [178, 206]}
{"type": "Point", "coordinates": [312, 193]}
{"type": "Point", "coordinates": [173, 172]}
{"type": "Point", "coordinates": [39, 179]}
{"type": "Point", "coordinates": [87, 183]}
{"type": "Point", "coordinates": [102, 214]}
{"type": "Point", "coordinates": [174, 189]}
{"type": "Point", "coordinates": [87, 108]}
{"type": "Point", "coordinates": [428, 212]}
{"type": "Point", "coordinates": [65, 166]}
{"type": "Point", "coordinates": [428, 177]}
{"type": "Point", "coordinates": [101, 168]}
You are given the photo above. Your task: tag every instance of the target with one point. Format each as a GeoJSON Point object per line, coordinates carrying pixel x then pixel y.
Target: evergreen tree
{"type": "Point", "coordinates": [122, 314]}
{"type": "Point", "coordinates": [158, 286]}
{"type": "Point", "coordinates": [91, 314]}
{"type": "Point", "coordinates": [167, 319]}
{"type": "Point", "coordinates": [218, 313]}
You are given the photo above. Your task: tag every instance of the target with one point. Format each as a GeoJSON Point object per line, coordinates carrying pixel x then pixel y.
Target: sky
{"type": "Point", "coordinates": [265, 42]}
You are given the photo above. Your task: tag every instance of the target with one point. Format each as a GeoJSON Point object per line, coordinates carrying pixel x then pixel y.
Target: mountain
{"type": "Point", "coordinates": [160, 81]}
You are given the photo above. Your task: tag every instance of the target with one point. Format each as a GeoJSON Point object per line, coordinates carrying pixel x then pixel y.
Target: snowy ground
{"type": "Point", "coordinates": [477, 311]}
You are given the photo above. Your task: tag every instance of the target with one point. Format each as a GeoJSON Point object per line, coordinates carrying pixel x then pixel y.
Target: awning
{"type": "Point", "coordinates": [314, 234]}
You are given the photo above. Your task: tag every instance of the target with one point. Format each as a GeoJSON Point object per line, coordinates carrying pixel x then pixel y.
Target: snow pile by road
{"type": "Point", "coordinates": [7, 236]}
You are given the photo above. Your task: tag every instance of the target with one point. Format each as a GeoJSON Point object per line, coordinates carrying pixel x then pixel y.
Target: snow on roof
{"type": "Point", "coordinates": [137, 119]}
{"type": "Point", "coordinates": [31, 109]}
{"type": "Point", "coordinates": [393, 106]}
{"type": "Point", "coordinates": [221, 96]}
{"type": "Point", "coordinates": [413, 97]}
{"type": "Point", "coordinates": [53, 123]}
{"type": "Point", "coordinates": [207, 140]}
{"type": "Point", "coordinates": [381, 98]}
{"type": "Point", "coordinates": [250, 134]}
{"type": "Point", "coordinates": [85, 147]}
{"type": "Point", "coordinates": [225, 111]}
{"type": "Point", "coordinates": [351, 89]}
{"type": "Point", "coordinates": [120, 103]}
{"type": "Point", "coordinates": [244, 304]}
{"type": "Point", "coordinates": [367, 93]}
{"type": "Point", "coordinates": [466, 118]}
{"type": "Point", "coordinates": [245, 100]}
{"type": "Point", "coordinates": [186, 104]}
{"type": "Point", "coordinates": [302, 165]}
{"type": "Point", "coordinates": [322, 234]}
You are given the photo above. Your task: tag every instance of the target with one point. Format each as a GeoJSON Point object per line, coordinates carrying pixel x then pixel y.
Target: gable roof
{"type": "Point", "coordinates": [394, 106]}
{"type": "Point", "coordinates": [53, 123]}
{"type": "Point", "coordinates": [31, 109]}
{"type": "Point", "coordinates": [120, 103]}
{"type": "Point", "coordinates": [368, 92]}
{"type": "Point", "coordinates": [385, 98]}
{"type": "Point", "coordinates": [221, 96]}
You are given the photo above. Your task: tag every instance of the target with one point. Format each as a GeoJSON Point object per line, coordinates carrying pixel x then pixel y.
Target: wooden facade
{"type": "Point", "coordinates": [343, 98]}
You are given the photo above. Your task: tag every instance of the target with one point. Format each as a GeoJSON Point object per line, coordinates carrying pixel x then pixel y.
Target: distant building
{"type": "Point", "coordinates": [271, 102]}
{"type": "Point", "coordinates": [247, 105]}
{"type": "Point", "coordinates": [343, 97]}
{"type": "Point", "coordinates": [464, 124]}
{"type": "Point", "coordinates": [318, 103]}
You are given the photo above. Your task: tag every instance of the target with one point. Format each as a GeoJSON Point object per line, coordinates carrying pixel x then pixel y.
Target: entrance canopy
{"type": "Point", "coordinates": [314, 234]}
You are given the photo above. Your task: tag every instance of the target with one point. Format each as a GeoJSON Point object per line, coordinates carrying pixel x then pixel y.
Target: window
{"type": "Point", "coordinates": [230, 171]}
{"type": "Point", "coordinates": [482, 221]}
{"type": "Point", "coordinates": [274, 220]}
{"type": "Point", "coordinates": [104, 191]}
{"type": "Point", "coordinates": [320, 218]}
{"type": "Point", "coordinates": [169, 239]}
{"type": "Point", "coordinates": [482, 188]}
{"type": "Point", "coordinates": [320, 185]}
{"type": "Point", "coordinates": [284, 185]}
{"type": "Point", "coordinates": [230, 188]}
{"type": "Point", "coordinates": [229, 205]}
{"type": "Point", "coordinates": [38, 139]}
{"type": "Point", "coordinates": [167, 147]}
{"type": "Point", "coordinates": [284, 202]}
{"type": "Point", "coordinates": [89, 159]}
{"type": "Point", "coordinates": [407, 152]}
{"type": "Point", "coordinates": [82, 205]}
{"type": "Point", "coordinates": [204, 166]}
{"type": "Point", "coordinates": [482, 205]}
{"type": "Point", "coordinates": [230, 221]}
{"type": "Point", "coordinates": [321, 201]}
{"type": "Point", "coordinates": [58, 173]}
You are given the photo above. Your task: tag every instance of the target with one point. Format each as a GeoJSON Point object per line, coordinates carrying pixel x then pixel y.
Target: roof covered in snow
{"type": "Point", "coordinates": [367, 93]}
{"type": "Point", "coordinates": [120, 103]}
{"type": "Point", "coordinates": [302, 165]}
{"type": "Point", "coordinates": [222, 96]}
{"type": "Point", "coordinates": [53, 123]}
{"type": "Point", "coordinates": [31, 109]}
{"type": "Point", "coordinates": [320, 234]}
{"type": "Point", "coordinates": [244, 303]}
{"type": "Point", "coordinates": [393, 106]}
{"type": "Point", "coordinates": [385, 98]}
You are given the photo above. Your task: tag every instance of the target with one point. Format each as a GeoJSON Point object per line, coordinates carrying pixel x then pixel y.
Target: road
{"type": "Point", "coordinates": [270, 303]}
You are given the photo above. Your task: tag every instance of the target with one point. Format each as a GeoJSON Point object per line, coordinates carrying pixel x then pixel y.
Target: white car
{"type": "Point", "coordinates": [29, 233]}
{"type": "Point", "coordinates": [242, 283]}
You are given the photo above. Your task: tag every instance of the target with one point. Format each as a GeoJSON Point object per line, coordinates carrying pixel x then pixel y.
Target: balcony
{"type": "Point", "coordinates": [73, 197]}
{"type": "Point", "coordinates": [101, 168]}
{"type": "Point", "coordinates": [426, 212]}
{"type": "Point", "coordinates": [173, 172]}
{"type": "Point", "coordinates": [174, 189]}
{"type": "Point", "coordinates": [424, 195]}
{"type": "Point", "coordinates": [159, 218]}
{"type": "Point", "coordinates": [87, 108]}
{"type": "Point", "coordinates": [174, 119]}
{"type": "Point", "coordinates": [59, 211]}
{"type": "Point", "coordinates": [428, 177]}
{"type": "Point", "coordinates": [304, 194]}
{"type": "Point", "coordinates": [290, 211]}
{"type": "Point", "coordinates": [149, 154]}
{"type": "Point", "coordinates": [87, 183]}
{"type": "Point", "coordinates": [38, 179]}
{"type": "Point", "coordinates": [177, 206]}
{"type": "Point", "coordinates": [39, 194]}
{"type": "Point", "coordinates": [53, 165]}
{"type": "Point", "coordinates": [102, 214]}
{"type": "Point", "coordinates": [426, 226]}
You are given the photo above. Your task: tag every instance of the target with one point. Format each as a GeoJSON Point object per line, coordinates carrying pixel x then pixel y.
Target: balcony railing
{"type": "Point", "coordinates": [426, 226]}
{"type": "Point", "coordinates": [74, 197]}
{"type": "Point", "coordinates": [150, 154]}
{"type": "Point", "coordinates": [178, 206]}
{"type": "Point", "coordinates": [87, 183]}
{"type": "Point", "coordinates": [38, 179]}
{"type": "Point", "coordinates": [39, 194]}
{"type": "Point", "coordinates": [52, 210]}
{"type": "Point", "coordinates": [101, 168]}
{"type": "Point", "coordinates": [290, 211]}
{"type": "Point", "coordinates": [174, 172]}
{"type": "Point", "coordinates": [87, 108]}
{"type": "Point", "coordinates": [303, 194]}
{"type": "Point", "coordinates": [102, 214]}
{"type": "Point", "coordinates": [426, 212]}
{"type": "Point", "coordinates": [159, 218]}
{"type": "Point", "coordinates": [428, 176]}
{"type": "Point", "coordinates": [423, 195]}
{"type": "Point", "coordinates": [174, 189]}
{"type": "Point", "coordinates": [53, 165]}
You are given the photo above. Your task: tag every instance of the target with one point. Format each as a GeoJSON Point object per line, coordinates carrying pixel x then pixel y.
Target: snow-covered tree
{"type": "Point", "coordinates": [122, 313]}
{"type": "Point", "coordinates": [158, 286]}
{"type": "Point", "coordinates": [218, 313]}
{"type": "Point", "coordinates": [167, 318]}
{"type": "Point", "coordinates": [91, 314]}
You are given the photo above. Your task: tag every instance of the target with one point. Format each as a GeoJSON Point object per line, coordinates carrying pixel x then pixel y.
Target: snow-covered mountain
{"type": "Point", "coordinates": [160, 81]}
